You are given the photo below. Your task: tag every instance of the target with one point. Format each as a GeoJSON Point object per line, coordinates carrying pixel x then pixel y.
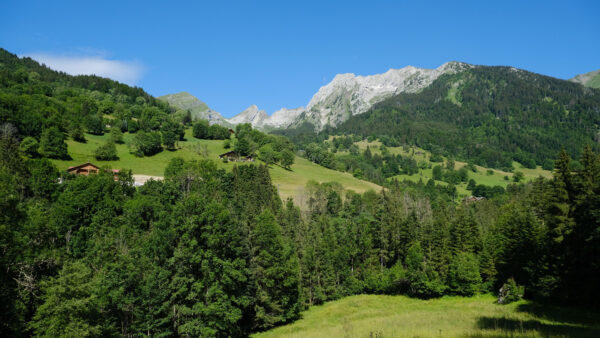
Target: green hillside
{"type": "Point", "coordinates": [485, 176]}
{"type": "Point", "coordinates": [591, 79]}
{"type": "Point", "coordinates": [289, 182]}
{"type": "Point", "coordinates": [198, 109]}
{"type": "Point", "coordinates": [185, 100]}
{"type": "Point", "coordinates": [400, 316]}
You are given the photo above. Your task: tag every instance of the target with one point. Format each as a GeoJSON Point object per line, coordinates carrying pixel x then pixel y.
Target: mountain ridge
{"type": "Point", "coordinates": [345, 96]}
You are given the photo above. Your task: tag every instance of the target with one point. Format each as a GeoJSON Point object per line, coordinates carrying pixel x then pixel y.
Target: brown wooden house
{"type": "Point", "coordinates": [84, 169]}
{"type": "Point", "coordinates": [89, 168]}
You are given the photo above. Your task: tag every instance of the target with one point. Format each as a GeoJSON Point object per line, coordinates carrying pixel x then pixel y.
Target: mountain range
{"type": "Point", "coordinates": [345, 96]}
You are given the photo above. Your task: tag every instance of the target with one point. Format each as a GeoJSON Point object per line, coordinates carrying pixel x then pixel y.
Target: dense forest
{"type": "Point", "coordinates": [210, 252]}
{"type": "Point", "coordinates": [207, 252]}
{"type": "Point", "coordinates": [486, 115]}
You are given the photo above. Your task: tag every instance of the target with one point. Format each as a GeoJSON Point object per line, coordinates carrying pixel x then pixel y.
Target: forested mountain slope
{"type": "Point", "coordinates": [489, 115]}
{"type": "Point", "coordinates": [34, 98]}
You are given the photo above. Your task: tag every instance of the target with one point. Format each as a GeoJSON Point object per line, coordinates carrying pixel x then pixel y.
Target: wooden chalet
{"type": "Point", "coordinates": [90, 168]}
{"type": "Point", "coordinates": [233, 156]}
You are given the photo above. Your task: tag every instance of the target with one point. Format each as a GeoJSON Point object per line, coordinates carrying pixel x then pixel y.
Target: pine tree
{"type": "Point", "coordinates": [274, 271]}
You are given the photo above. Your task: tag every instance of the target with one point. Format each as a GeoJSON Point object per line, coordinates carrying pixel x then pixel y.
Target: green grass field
{"type": "Point", "coordinates": [400, 316]}
{"type": "Point", "coordinates": [289, 182]}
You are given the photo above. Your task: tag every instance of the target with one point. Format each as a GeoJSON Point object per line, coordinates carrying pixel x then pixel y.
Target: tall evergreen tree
{"type": "Point", "coordinates": [274, 270]}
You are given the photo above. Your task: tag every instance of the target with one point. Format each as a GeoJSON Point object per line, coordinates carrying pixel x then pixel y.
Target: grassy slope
{"type": "Point", "coordinates": [289, 182]}
{"type": "Point", "coordinates": [481, 176]}
{"type": "Point", "coordinates": [400, 316]}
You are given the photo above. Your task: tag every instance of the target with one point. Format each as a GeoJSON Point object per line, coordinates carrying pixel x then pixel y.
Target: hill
{"type": "Point", "coordinates": [400, 316]}
{"type": "Point", "coordinates": [591, 79]}
{"type": "Point", "coordinates": [290, 183]}
{"type": "Point", "coordinates": [490, 115]}
{"type": "Point", "coordinates": [198, 109]}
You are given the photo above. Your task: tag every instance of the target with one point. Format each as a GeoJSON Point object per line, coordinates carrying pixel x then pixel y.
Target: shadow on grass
{"type": "Point", "coordinates": [516, 327]}
{"type": "Point", "coordinates": [571, 315]}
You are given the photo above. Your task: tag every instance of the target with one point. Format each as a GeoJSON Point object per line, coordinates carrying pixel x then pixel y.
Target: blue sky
{"type": "Point", "coordinates": [277, 54]}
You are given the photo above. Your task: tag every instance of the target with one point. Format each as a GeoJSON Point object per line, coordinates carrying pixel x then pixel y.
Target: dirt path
{"type": "Point", "coordinates": [142, 179]}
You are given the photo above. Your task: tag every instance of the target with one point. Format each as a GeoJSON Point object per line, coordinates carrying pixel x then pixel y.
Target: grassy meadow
{"type": "Point", "coordinates": [401, 316]}
{"type": "Point", "coordinates": [290, 183]}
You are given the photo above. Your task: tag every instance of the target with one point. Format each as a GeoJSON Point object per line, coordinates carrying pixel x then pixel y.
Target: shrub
{"type": "Point", "coordinates": [510, 292]}
{"type": "Point", "coordinates": [147, 143]}
{"type": "Point", "coordinates": [106, 152]}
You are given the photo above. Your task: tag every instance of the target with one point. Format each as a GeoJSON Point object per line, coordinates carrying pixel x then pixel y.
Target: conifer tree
{"type": "Point", "coordinates": [274, 271]}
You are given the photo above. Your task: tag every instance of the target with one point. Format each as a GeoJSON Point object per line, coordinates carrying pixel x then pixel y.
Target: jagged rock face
{"type": "Point", "coordinates": [349, 94]}
{"type": "Point", "coordinates": [251, 115]}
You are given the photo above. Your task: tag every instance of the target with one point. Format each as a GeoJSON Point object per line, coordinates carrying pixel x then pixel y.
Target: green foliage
{"type": "Point", "coordinates": [267, 154]}
{"type": "Point", "coordinates": [424, 281]}
{"type": "Point", "coordinates": [200, 129]}
{"type": "Point", "coordinates": [518, 176]}
{"type": "Point", "coordinates": [94, 125]}
{"type": "Point", "coordinates": [71, 305]}
{"type": "Point", "coordinates": [116, 135]}
{"type": "Point", "coordinates": [287, 158]}
{"type": "Point", "coordinates": [463, 275]}
{"type": "Point", "coordinates": [29, 147]}
{"type": "Point", "coordinates": [147, 143]}
{"type": "Point", "coordinates": [437, 173]}
{"type": "Point", "coordinates": [510, 292]}
{"type": "Point", "coordinates": [106, 152]}
{"type": "Point", "coordinates": [274, 270]}
{"type": "Point", "coordinates": [52, 144]}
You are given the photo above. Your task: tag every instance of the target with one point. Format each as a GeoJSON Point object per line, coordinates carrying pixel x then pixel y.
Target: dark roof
{"type": "Point", "coordinates": [229, 153]}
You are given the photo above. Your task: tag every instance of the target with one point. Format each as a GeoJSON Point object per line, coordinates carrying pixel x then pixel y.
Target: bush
{"type": "Point", "coordinates": [510, 292]}
{"type": "Point", "coordinates": [77, 134]}
{"type": "Point", "coordinates": [106, 152]}
{"type": "Point", "coordinates": [548, 165]}
{"type": "Point", "coordinates": [436, 158]}
{"type": "Point", "coordinates": [133, 126]}
{"type": "Point", "coordinates": [116, 135]}
{"type": "Point", "coordinates": [147, 143]}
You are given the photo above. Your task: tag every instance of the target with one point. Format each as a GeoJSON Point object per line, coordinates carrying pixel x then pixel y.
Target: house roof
{"type": "Point", "coordinates": [83, 165]}
{"type": "Point", "coordinates": [232, 152]}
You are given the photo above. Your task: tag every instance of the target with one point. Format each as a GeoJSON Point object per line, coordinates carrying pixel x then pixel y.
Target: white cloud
{"type": "Point", "coordinates": [122, 71]}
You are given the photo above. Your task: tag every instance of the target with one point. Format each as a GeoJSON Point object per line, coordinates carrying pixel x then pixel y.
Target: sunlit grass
{"type": "Point", "coordinates": [400, 316]}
